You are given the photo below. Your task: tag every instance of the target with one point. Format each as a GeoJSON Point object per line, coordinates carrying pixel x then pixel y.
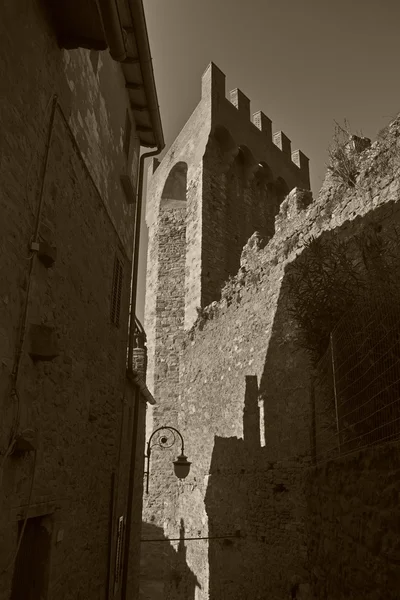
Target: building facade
{"type": "Point", "coordinates": [78, 101]}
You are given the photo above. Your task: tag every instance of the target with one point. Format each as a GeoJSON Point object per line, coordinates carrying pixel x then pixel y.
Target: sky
{"type": "Point", "coordinates": [304, 63]}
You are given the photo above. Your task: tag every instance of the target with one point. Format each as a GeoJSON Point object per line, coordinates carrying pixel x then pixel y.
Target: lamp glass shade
{"type": "Point", "coordinates": [182, 466]}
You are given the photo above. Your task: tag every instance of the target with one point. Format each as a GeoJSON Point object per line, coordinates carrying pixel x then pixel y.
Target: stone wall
{"type": "Point", "coordinates": [79, 401]}
{"type": "Point", "coordinates": [164, 569]}
{"type": "Point", "coordinates": [237, 201]}
{"type": "Point", "coordinates": [354, 526]}
{"type": "Point", "coordinates": [206, 197]}
{"type": "Point", "coordinates": [245, 411]}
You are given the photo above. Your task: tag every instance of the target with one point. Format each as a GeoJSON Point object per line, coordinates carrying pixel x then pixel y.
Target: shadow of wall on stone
{"type": "Point", "coordinates": [354, 526]}
{"type": "Point", "coordinates": [260, 504]}
{"type": "Point", "coordinates": [164, 572]}
{"type": "Point", "coordinates": [257, 485]}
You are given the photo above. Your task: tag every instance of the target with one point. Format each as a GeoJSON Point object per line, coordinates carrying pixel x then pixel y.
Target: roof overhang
{"type": "Point", "coordinates": [119, 25]}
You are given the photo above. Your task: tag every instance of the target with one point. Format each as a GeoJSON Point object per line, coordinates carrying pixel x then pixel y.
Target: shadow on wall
{"type": "Point", "coordinates": [258, 485]}
{"type": "Point", "coordinates": [249, 492]}
{"type": "Point", "coordinates": [164, 572]}
{"type": "Point", "coordinates": [284, 389]}
{"type": "Point", "coordinates": [240, 196]}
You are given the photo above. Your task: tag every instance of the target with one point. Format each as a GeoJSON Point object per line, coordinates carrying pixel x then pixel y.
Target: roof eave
{"type": "Point", "coordinates": [139, 31]}
{"type": "Point", "coordinates": [124, 25]}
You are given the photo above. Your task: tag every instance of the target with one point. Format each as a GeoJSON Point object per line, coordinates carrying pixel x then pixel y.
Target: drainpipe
{"type": "Point", "coordinates": [131, 375]}
{"type": "Point", "coordinates": [135, 260]}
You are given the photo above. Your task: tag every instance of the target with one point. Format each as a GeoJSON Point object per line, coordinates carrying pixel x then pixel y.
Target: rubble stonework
{"type": "Point", "coordinates": [241, 399]}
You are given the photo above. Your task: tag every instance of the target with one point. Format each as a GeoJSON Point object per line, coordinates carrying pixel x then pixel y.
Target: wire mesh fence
{"type": "Point", "coordinates": [357, 381]}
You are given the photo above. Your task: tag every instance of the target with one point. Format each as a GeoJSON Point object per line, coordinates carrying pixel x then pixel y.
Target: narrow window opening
{"type": "Point", "coordinates": [116, 293]}
{"type": "Point", "coordinates": [119, 553]}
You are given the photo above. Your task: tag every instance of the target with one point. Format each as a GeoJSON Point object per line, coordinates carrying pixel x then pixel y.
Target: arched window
{"type": "Point", "coordinates": [263, 174]}
{"type": "Point", "coordinates": [282, 189]}
{"type": "Point", "coordinates": [246, 162]}
{"type": "Point", "coordinates": [174, 192]}
{"type": "Point", "coordinates": [224, 139]}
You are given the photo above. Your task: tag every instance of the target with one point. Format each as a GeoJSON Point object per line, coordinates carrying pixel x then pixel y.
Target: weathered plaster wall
{"type": "Point", "coordinates": [77, 401]}
{"type": "Point", "coordinates": [74, 401]}
{"type": "Point", "coordinates": [93, 99]}
{"type": "Point", "coordinates": [244, 375]}
{"type": "Point", "coordinates": [98, 119]}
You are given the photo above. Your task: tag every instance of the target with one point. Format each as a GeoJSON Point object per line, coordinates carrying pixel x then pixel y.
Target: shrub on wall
{"type": "Point", "coordinates": [343, 156]}
{"type": "Point", "coordinates": [327, 279]}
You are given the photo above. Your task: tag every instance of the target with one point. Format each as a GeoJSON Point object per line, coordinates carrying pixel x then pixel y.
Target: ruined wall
{"type": "Point", "coordinates": [76, 401]}
{"type": "Point", "coordinates": [235, 175]}
{"type": "Point", "coordinates": [245, 413]}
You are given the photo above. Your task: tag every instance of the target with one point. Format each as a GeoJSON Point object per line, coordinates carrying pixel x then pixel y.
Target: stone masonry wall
{"type": "Point", "coordinates": [236, 203]}
{"type": "Point", "coordinates": [354, 526]}
{"type": "Point", "coordinates": [75, 402]}
{"type": "Point", "coordinates": [171, 298]}
{"type": "Point", "coordinates": [225, 203]}
{"type": "Point", "coordinates": [245, 414]}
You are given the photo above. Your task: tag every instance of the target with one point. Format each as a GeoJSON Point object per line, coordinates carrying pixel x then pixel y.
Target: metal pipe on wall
{"type": "Point", "coordinates": [135, 259]}
{"type": "Point", "coordinates": [137, 394]}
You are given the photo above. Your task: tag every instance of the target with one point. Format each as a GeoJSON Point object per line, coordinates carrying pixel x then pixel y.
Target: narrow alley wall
{"type": "Point", "coordinates": [76, 399]}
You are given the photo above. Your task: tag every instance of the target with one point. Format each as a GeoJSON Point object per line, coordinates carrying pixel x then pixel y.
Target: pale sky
{"type": "Point", "coordinates": [304, 64]}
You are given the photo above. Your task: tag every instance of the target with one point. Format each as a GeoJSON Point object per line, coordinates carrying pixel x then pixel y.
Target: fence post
{"type": "Point", "coordinates": [335, 391]}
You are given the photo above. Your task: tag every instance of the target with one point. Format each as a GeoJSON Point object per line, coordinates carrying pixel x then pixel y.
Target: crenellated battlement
{"type": "Point", "coordinates": [258, 125]}
{"type": "Point", "coordinates": [224, 177]}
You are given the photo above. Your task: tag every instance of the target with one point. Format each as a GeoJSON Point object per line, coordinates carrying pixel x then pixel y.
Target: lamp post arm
{"type": "Point", "coordinates": [159, 429]}
{"type": "Point", "coordinates": [148, 453]}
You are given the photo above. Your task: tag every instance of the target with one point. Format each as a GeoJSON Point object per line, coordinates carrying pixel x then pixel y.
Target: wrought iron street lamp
{"type": "Point", "coordinates": [181, 464]}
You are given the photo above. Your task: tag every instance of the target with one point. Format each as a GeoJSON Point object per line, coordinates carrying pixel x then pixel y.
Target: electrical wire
{"type": "Point", "coordinates": [34, 154]}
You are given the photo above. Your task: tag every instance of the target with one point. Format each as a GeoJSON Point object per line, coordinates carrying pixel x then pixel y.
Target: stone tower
{"type": "Point", "coordinates": [222, 179]}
